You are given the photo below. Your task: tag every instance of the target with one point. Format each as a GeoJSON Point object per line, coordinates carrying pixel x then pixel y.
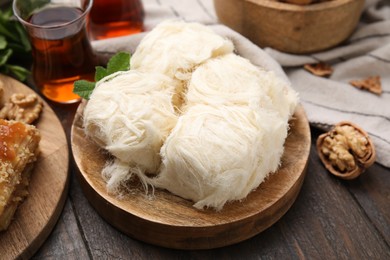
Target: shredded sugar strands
{"type": "Point", "coordinates": [209, 123]}
{"type": "Point", "coordinates": [229, 138]}
{"type": "Point", "coordinates": [133, 134]}
{"type": "Point", "coordinates": [213, 154]}
{"type": "Point", "coordinates": [154, 87]}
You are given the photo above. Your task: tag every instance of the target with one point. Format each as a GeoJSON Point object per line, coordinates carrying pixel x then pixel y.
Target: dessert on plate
{"type": "Point", "coordinates": [19, 144]}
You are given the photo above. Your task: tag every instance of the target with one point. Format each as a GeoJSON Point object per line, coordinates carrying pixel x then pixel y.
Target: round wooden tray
{"type": "Point", "coordinates": [37, 215]}
{"type": "Point", "coordinates": [170, 221]}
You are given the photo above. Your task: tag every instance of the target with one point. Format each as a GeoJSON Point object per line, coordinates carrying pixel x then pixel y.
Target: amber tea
{"type": "Point", "coordinates": [115, 18]}
{"type": "Point", "coordinates": [61, 50]}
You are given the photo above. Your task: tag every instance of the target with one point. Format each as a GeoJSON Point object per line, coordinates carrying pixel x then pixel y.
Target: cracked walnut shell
{"type": "Point", "coordinates": [346, 150]}
{"type": "Point", "coordinates": [372, 84]}
{"type": "Point", "coordinates": [320, 69]}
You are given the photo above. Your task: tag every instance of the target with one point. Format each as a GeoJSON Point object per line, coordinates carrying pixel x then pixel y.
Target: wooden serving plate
{"type": "Point", "coordinates": [170, 221]}
{"type": "Point", "coordinates": [37, 215]}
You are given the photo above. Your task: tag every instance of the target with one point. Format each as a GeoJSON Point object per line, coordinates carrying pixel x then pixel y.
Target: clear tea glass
{"type": "Point", "coordinates": [113, 18]}
{"type": "Point", "coordinates": [61, 49]}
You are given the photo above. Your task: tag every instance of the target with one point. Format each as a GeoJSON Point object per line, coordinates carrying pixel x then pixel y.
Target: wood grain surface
{"type": "Point", "coordinates": [325, 222]}
{"type": "Point", "coordinates": [170, 221]}
{"type": "Point", "coordinates": [37, 215]}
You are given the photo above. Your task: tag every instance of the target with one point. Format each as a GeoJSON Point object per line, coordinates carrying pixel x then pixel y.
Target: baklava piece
{"type": "Point", "coordinates": [18, 151]}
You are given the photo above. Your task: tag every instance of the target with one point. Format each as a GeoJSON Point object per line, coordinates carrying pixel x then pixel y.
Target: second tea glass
{"type": "Point", "coordinates": [115, 18]}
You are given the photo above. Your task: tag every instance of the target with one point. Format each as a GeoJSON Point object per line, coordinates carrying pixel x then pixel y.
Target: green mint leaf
{"type": "Point", "coordinates": [3, 42]}
{"type": "Point", "coordinates": [4, 56]}
{"type": "Point", "coordinates": [23, 37]}
{"type": "Point", "coordinates": [84, 88]}
{"type": "Point", "coordinates": [7, 14]}
{"type": "Point", "coordinates": [100, 73]}
{"type": "Point", "coordinates": [15, 48]}
{"type": "Point", "coordinates": [19, 72]}
{"type": "Point", "coordinates": [4, 30]}
{"type": "Point", "coordinates": [119, 62]}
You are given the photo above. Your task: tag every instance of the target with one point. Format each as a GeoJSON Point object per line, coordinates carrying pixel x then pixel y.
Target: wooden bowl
{"type": "Point", "coordinates": [289, 27]}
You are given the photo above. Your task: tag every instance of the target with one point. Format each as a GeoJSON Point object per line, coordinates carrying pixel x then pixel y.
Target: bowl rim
{"type": "Point", "coordinates": [275, 4]}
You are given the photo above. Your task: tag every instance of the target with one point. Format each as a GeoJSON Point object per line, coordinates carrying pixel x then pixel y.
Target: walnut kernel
{"type": "Point", "coordinates": [346, 150]}
{"type": "Point", "coordinates": [23, 108]}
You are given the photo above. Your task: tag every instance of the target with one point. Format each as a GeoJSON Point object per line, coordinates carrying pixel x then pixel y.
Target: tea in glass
{"type": "Point", "coordinates": [61, 49]}
{"type": "Point", "coordinates": [115, 18]}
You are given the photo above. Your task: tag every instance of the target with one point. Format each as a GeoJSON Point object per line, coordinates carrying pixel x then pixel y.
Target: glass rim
{"type": "Point", "coordinates": [26, 23]}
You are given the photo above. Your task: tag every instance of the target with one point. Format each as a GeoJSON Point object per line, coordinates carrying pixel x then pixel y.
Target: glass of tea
{"type": "Point", "coordinates": [115, 18]}
{"type": "Point", "coordinates": [61, 49]}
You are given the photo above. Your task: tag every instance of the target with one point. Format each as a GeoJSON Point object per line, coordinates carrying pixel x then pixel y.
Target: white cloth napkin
{"type": "Point", "coordinates": [327, 101]}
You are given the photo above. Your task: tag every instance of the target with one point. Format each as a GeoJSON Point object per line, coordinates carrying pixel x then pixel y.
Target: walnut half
{"type": "Point", "coordinates": [23, 108]}
{"type": "Point", "coordinates": [346, 150]}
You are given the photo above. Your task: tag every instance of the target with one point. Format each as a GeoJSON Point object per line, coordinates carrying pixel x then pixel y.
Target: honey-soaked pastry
{"type": "Point", "coordinates": [19, 144]}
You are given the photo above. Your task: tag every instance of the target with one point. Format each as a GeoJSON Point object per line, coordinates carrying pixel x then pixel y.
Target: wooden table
{"type": "Point", "coordinates": [331, 219]}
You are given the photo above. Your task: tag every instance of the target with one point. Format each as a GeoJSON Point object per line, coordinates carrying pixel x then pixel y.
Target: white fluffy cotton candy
{"type": "Point", "coordinates": [233, 80]}
{"type": "Point", "coordinates": [130, 114]}
{"type": "Point", "coordinates": [175, 48]}
{"type": "Point", "coordinates": [231, 134]}
{"type": "Point", "coordinates": [217, 154]}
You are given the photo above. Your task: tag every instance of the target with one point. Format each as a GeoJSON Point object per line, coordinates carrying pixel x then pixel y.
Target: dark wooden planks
{"type": "Point", "coordinates": [372, 192]}
{"type": "Point", "coordinates": [65, 241]}
{"type": "Point", "coordinates": [104, 242]}
{"type": "Point", "coordinates": [331, 219]}
{"type": "Point", "coordinates": [326, 221]}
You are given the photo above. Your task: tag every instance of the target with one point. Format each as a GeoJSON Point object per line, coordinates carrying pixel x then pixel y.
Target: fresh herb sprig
{"type": "Point", "coordinates": [118, 62]}
{"type": "Point", "coordinates": [15, 49]}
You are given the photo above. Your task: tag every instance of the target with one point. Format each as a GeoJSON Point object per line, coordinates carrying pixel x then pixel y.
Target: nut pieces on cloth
{"type": "Point", "coordinates": [320, 69]}
{"type": "Point", "coordinates": [372, 84]}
